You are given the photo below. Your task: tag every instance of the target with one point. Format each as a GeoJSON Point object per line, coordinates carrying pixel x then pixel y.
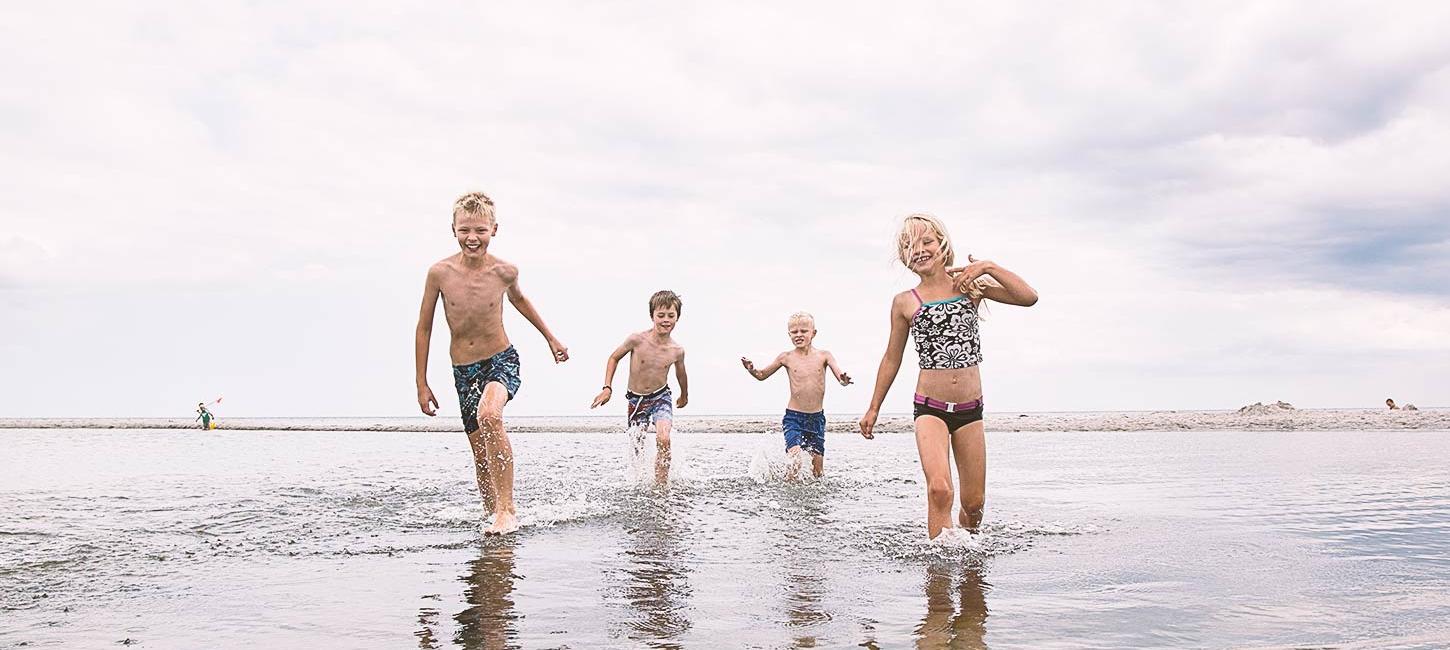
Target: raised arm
{"type": "Point", "coordinates": [763, 374]}
{"type": "Point", "coordinates": [526, 309]}
{"type": "Point", "coordinates": [610, 366]}
{"type": "Point", "coordinates": [835, 368]}
{"type": "Point", "coordinates": [684, 379]}
{"type": "Point", "coordinates": [421, 341]}
{"type": "Point", "coordinates": [1010, 289]}
{"type": "Point", "coordinates": [890, 362]}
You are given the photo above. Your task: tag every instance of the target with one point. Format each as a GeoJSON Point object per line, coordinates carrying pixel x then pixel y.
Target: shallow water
{"type": "Point", "coordinates": [328, 539]}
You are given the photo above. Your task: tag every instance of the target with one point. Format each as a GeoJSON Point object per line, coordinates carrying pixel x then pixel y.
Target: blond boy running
{"type": "Point", "coordinates": [473, 284]}
{"type": "Point", "coordinates": [805, 418]}
{"type": "Point", "coordinates": [651, 353]}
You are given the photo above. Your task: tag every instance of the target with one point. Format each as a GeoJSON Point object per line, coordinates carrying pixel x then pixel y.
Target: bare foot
{"type": "Point", "coordinates": [503, 524]}
{"type": "Point", "coordinates": [971, 521]}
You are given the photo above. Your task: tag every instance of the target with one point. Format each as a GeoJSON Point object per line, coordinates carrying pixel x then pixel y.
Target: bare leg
{"type": "Point", "coordinates": [818, 464]}
{"type": "Point", "coordinates": [662, 451]}
{"type": "Point", "coordinates": [792, 463]}
{"type": "Point", "coordinates": [500, 458]}
{"type": "Point", "coordinates": [934, 447]}
{"type": "Point", "coordinates": [969, 446]}
{"type": "Point", "coordinates": [480, 470]}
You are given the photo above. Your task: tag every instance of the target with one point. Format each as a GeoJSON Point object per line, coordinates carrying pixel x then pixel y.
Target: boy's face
{"type": "Point", "coordinates": [802, 332]}
{"type": "Point", "coordinates": [664, 319]}
{"type": "Point", "coordinates": [473, 232]}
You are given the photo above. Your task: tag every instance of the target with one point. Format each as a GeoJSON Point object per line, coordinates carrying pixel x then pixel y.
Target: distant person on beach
{"type": "Point", "coordinates": [647, 399]}
{"type": "Point", "coordinates": [804, 424]}
{"type": "Point", "coordinates": [204, 415]}
{"type": "Point", "coordinates": [473, 284]}
{"type": "Point", "coordinates": [1391, 403]}
{"type": "Point", "coordinates": [941, 314]}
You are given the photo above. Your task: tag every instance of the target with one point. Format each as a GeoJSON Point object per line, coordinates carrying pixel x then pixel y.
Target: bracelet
{"type": "Point", "coordinates": [608, 388]}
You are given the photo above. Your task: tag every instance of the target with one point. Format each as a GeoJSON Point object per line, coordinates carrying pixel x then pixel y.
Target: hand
{"type": "Point", "coordinates": [427, 401]}
{"type": "Point", "coordinates": [561, 353]}
{"type": "Point", "coordinates": [749, 365]}
{"type": "Point", "coordinates": [867, 423]}
{"type": "Point", "coordinates": [680, 403]}
{"type": "Point", "coordinates": [964, 276]}
{"type": "Point", "coordinates": [602, 398]}
{"type": "Point", "coordinates": [845, 379]}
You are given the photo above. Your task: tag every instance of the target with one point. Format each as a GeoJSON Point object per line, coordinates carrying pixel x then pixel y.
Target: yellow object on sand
{"type": "Point", "coordinates": [213, 424]}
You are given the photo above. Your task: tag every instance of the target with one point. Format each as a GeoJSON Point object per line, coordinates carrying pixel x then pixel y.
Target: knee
{"type": "Point", "coordinates": [662, 438]}
{"type": "Point", "coordinates": [939, 491]}
{"type": "Point", "coordinates": [973, 503]}
{"type": "Point", "coordinates": [490, 420]}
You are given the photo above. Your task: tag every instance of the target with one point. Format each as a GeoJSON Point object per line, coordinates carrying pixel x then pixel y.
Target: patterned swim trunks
{"type": "Point", "coordinates": [651, 408]}
{"type": "Point", "coordinates": [470, 379]}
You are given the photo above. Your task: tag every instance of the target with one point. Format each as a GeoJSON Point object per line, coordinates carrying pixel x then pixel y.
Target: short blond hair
{"type": "Point", "coordinates": [666, 298]}
{"type": "Point", "coordinates": [801, 316]}
{"type": "Point", "coordinates": [474, 203]}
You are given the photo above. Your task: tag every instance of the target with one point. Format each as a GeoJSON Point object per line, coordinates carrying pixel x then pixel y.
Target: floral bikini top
{"type": "Point", "coordinates": [946, 333]}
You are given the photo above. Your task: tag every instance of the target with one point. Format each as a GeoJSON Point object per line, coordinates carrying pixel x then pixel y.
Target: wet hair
{"type": "Point", "coordinates": [665, 298]}
{"type": "Point", "coordinates": [906, 238]}
{"type": "Point", "coordinates": [800, 316]}
{"type": "Point", "coordinates": [474, 203]}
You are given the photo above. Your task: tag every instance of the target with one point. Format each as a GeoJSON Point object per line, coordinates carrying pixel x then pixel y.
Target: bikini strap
{"type": "Point", "coordinates": [919, 301]}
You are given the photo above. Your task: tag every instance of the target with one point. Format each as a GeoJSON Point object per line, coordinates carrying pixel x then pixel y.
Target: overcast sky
{"type": "Point", "coordinates": [1219, 203]}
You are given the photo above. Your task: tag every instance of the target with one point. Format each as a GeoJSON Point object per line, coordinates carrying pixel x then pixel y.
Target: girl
{"type": "Point", "coordinates": [941, 315]}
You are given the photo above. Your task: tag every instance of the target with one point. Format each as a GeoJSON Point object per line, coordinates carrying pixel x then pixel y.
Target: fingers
{"type": "Point", "coordinates": [970, 258]}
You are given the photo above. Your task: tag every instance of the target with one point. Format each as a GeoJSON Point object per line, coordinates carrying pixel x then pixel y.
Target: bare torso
{"type": "Point", "coordinates": [473, 304]}
{"type": "Point", "coordinates": [807, 372]}
{"type": "Point", "coordinates": [649, 362]}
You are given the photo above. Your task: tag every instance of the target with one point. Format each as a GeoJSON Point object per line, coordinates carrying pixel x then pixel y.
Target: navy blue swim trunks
{"type": "Point", "coordinates": [651, 408]}
{"type": "Point", "coordinates": [805, 430]}
{"type": "Point", "coordinates": [470, 379]}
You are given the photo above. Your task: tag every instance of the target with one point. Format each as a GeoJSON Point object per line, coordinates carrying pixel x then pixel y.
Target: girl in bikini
{"type": "Point", "coordinates": [941, 315]}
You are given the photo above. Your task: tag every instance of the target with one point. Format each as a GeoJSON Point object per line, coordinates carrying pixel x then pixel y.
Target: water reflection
{"type": "Point", "coordinates": [956, 607]}
{"type": "Point", "coordinates": [655, 585]}
{"type": "Point", "coordinates": [489, 621]}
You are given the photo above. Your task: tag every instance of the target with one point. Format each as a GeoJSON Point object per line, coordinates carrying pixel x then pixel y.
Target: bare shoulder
{"type": "Point", "coordinates": [505, 271]}
{"type": "Point", "coordinates": [904, 303]}
{"type": "Point", "coordinates": [678, 348]}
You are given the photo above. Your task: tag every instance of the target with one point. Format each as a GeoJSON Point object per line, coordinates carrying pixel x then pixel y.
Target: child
{"type": "Point", "coordinates": [805, 420]}
{"type": "Point", "coordinates": [941, 314]}
{"type": "Point", "coordinates": [473, 284]}
{"type": "Point", "coordinates": [204, 415]}
{"type": "Point", "coordinates": [652, 352]}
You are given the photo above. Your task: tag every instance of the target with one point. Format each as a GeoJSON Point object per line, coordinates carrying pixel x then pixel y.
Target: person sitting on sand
{"type": "Point", "coordinates": [473, 284]}
{"type": "Point", "coordinates": [647, 400]}
{"type": "Point", "coordinates": [804, 424]}
{"type": "Point", "coordinates": [1391, 403]}
{"type": "Point", "coordinates": [941, 314]}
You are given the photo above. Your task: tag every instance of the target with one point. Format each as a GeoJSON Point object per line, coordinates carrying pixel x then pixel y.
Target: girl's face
{"type": "Point", "coordinates": [922, 250]}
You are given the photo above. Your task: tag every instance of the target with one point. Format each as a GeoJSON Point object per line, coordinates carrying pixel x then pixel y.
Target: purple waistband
{"type": "Point", "coordinates": [949, 407]}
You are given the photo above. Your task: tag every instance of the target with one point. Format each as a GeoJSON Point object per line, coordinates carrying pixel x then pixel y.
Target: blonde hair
{"type": "Point", "coordinates": [474, 203]}
{"type": "Point", "coordinates": [800, 316]}
{"type": "Point", "coordinates": [906, 246]}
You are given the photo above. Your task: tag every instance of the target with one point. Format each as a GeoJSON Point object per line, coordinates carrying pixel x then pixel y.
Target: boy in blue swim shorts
{"type": "Point", "coordinates": [804, 423]}
{"type": "Point", "coordinates": [651, 353]}
{"type": "Point", "coordinates": [473, 284]}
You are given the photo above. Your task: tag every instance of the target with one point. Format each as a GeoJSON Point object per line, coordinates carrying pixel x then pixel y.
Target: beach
{"type": "Point", "coordinates": [364, 539]}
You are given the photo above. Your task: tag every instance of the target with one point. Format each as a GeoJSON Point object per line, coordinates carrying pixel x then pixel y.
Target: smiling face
{"type": "Point", "coordinates": [924, 245]}
{"type": "Point", "coordinates": [474, 232]}
{"type": "Point", "coordinates": [802, 332]}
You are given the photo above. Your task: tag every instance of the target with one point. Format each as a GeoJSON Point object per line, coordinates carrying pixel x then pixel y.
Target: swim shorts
{"type": "Point", "coordinates": [805, 430]}
{"type": "Point", "coordinates": [470, 379]}
{"type": "Point", "coordinates": [651, 408]}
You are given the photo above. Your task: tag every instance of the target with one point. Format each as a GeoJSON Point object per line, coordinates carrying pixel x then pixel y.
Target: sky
{"type": "Point", "coordinates": [1218, 203]}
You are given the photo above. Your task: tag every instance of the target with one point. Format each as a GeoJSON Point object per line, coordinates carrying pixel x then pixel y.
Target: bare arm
{"type": "Point", "coordinates": [610, 366]}
{"type": "Point", "coordinates": [762, 374]}
{"type": "Point", "coordinates": [841, 377]}
{"type": "Point", "coordinates": [421, 341]}
{"type": "Point", "coordinates": [890, 363]}
{"type": "Point", "coordinates": [1010, 289]}
{"type": "Point", "coordinates": [684, 379]}
{"type": "Point", "coordinates": [526, 309]}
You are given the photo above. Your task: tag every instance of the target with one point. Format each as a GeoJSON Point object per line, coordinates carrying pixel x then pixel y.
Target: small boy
{"type": "Point", "coordinates": [805, 420]}
{"type": "Point", "coordinates": [473, 283]}
{"type": "Point", "coordinates": [652, 352]}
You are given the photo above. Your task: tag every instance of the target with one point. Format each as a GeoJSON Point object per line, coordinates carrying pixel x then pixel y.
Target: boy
{"type": "Point", "coordinates": [805, 420]}
{"type": "Point", "coordinates": [473, 284]}
{"type": "Point", "coordinates": [652, 352]}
